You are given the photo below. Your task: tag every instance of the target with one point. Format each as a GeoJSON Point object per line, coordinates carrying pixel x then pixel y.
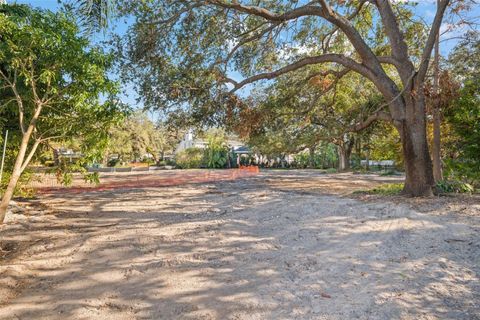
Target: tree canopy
{"type": "Point", "coordinates": [54, 85]}
{"type": "Point", "coordinates": [195, 55]}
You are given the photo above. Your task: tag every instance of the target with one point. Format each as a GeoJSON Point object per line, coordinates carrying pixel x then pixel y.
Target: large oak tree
{"type": "Point", "coordinates": [189, 51]}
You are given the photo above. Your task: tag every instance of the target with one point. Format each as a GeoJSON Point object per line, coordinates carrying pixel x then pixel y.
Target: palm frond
{"type": "Point", "coordinates": [94, 15]}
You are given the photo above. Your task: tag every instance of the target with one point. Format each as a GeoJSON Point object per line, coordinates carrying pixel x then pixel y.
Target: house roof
{"type": "Point", "coordinates": [242, 149]}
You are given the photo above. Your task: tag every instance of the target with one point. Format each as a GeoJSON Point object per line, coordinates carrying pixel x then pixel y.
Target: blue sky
{"type": "Point", "coordinates": [425, 10]}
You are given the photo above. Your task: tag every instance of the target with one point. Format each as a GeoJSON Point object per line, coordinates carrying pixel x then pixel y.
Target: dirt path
{"type": "Point", "coordinates": [268, 247]}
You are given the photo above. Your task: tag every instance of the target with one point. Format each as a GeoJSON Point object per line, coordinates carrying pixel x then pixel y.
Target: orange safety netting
{"type": "Point", "coordinates": [154, 179]}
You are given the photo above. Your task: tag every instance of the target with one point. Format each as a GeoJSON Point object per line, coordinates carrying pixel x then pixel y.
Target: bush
{"type": "Point", "coordinates": [464, 120]}
{"type": "Point", "coordinates": [22, 188]}
{"type": "Point", "coordinates": [189, 158]}
{"type": "Point", "coordinates": [49, 163]}
{"type": "Point", "coordinates": [467, 171]}
{"type": "Point", "coordinates": [148, 161]}
{"type": "Point", "coordinates": [216, 157]}
{"type": "Point", "coordinates": [113, 162]}
{"type": "Point", "coordinates": [454, 186]}
{"type": "Point", "coordinates": [216, 153]}
{"type": "Point", "coordinates": [170, 162]}
{"type": "Point", "coordinates": [331, 170]}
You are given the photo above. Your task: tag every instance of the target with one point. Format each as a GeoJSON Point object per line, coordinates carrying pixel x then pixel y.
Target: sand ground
{"type": "Point", "coordinates": [280, 245]}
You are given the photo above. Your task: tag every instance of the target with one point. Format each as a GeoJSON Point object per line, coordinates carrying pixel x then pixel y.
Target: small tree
{"type": "Point", "coordinates": [54, 79]}
{"type": "Point", "coordinates": [464, 118]}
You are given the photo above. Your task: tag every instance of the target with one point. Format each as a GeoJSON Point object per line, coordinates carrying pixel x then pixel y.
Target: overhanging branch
{"type": "Point", "coordinates": [379, 115]}
{"type": "Point", "coordinates": [334, 58]}
{"type": "Point", "coordinates": [307, 10]}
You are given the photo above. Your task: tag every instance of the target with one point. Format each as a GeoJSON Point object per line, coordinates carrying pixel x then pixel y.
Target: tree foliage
{"type": "Point", "coordinates": [462, 114]}
{"type": "Point", "coordinates": [51, 81]}
{"type": "Point", "coordinates": [137, 135]}
{"type": "Point", "coordinates": [194, 55]}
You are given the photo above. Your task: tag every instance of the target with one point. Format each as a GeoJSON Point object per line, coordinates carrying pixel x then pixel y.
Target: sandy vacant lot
{"type": "Point", "coordinates": [280, 245]}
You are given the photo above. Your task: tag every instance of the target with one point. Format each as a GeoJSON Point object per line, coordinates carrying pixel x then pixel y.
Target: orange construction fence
{"type": "Point", "coordinates": [151, 179]}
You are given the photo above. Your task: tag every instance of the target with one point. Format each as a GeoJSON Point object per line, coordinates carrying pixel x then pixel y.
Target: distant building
{"type": "Point", "coordinates": [379, 163]}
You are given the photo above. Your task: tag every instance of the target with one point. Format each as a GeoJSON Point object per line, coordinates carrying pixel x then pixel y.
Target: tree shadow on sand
{"type": "Point", "coordinates": [243, 250]}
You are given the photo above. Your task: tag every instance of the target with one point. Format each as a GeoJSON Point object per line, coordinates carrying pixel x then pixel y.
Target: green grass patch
{"type": "Point", "coordinates": [388, 189]}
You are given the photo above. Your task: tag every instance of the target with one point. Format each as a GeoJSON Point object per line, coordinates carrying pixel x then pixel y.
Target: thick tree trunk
{"type": "Point", "coordinates": [344, 153]}
{"type": "Point", "coordinates": [418, 164]}
{"type": "Point", "coordinates": [342, 162]}
{"type": "Point", "coordinates": [311, 157]}
{"type": "Point", "coordinates": [344, 158]}
{"type": "Point", "coordinates": [17, 171]}
{"type": "Point", "coordinates": [367, 160]}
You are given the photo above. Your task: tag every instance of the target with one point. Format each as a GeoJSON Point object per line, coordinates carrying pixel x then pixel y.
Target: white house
{"type": "Point", "coordinates": [190, 141]}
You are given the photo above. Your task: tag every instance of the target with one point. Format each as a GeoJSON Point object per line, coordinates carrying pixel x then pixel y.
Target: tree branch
{"type": "Point", "coordinates": [379, 115]}
{"type": "Point", "coordinates": [30, 155]}
{"type": "Point", "coordinates": [427, 51]}
{"type": "Point", "coordinates": [18, 98]}
{"type": "Point", "coordinates": [306, 10]}
{"type": "Point", "coordinates": [395, 36]}
{"type": "Point", "coordinates": [365, 52]}
{"type": "Point", "coordinates": [335, 58]}
{"type": "Point", "coordinates": [390, 60]}
{"type": "Point", "coordinates": [250, 39]}
{"type": "Point", "coordinates": [176, 15]}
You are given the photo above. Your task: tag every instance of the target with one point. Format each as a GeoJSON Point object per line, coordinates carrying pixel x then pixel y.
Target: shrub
{"type": "Point", "coordinates": [170, 162]}
{"type": "Point", "coordinates": [49, 163]}
{"type": "Point", "coordinates": [466, 170]}
{"type": "Point", "coordinates": [216, 157]}
{"type": "Point", "coordinates": [189, 158]}
{"type": "Point", "coordinates": [148, 161]}
{"type": "Point", "coordinates": [454, 186]}
{"type": "Point", "coordinates": [464, 120]}
{"type": "Point", "coordinates": [216, 153]}
{"type": "Point", "coordinates": [22, 188]}
{"type": "Point", "coordinates": [113, 162]}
